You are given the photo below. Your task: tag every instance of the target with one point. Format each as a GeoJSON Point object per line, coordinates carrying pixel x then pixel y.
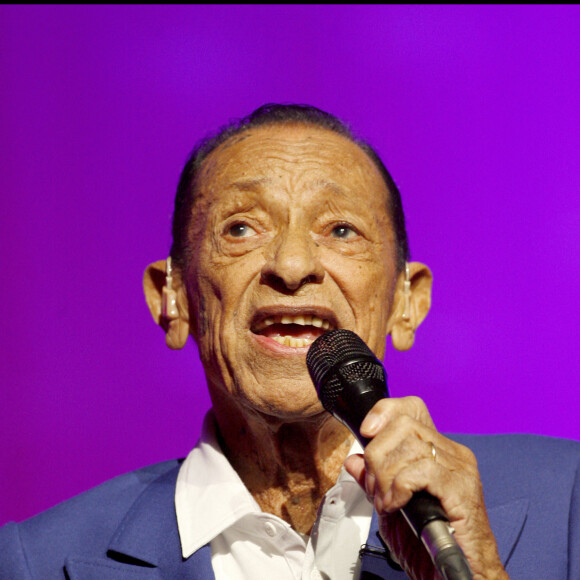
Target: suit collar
{"type": "Point", "coordinates": [149, 529]}
{"type": "Point", "coordinates": [146, 544]}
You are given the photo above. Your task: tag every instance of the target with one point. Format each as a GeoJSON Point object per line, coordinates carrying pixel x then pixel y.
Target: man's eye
{"type": "Point", "coordinates": [241, 230]}
{"type": "Point", "coordinates": [343, 232]}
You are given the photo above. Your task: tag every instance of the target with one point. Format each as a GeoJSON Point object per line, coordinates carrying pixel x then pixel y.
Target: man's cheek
{"type": "Point", "coordinates": [201, 307]}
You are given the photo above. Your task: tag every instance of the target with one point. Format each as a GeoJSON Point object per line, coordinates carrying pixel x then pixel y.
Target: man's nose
{"type": "Point", "coordinates": [293, 262]}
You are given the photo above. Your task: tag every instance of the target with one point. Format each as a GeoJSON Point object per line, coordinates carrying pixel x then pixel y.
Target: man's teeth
{"type": "Point", "coordinates": [292, 341]}
{"type": "Point", "coordinates": [300, 319]}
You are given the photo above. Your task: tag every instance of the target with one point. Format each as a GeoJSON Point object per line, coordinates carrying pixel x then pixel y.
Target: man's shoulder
{"type": "Point", "coordinates": [521, 446]}
{"type": "Point", "coordinates": [109, 498]}
{"type": "Point", "coordinates": [525, 464]}
{"type": "Point", "coordinates": [84, 523]}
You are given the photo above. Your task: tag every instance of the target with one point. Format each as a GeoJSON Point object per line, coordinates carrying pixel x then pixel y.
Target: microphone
{"type": "Point", "coordinates": [349, 380]}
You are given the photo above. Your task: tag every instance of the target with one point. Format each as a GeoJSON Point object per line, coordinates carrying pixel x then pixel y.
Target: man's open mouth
{"type": "Point", "coordinates": [296, 331]}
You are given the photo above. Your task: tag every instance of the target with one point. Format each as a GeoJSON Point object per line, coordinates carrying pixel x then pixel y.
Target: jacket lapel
{"type": "Point", "coordinates": [99, 568]}
{"type": "Point", "coordinates": [506, 523]}
{"type": "Point", "coordinates": [146, 545]}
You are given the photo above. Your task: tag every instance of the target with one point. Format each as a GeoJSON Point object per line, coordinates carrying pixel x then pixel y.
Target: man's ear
{"type": "Point", "coordinates": [176, 325]}
{"type": "Point", "coordinates": [411, 304]}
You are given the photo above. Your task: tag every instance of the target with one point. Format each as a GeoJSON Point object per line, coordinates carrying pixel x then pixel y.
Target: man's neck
{"type": "Point", "coordinates": [287, 466]}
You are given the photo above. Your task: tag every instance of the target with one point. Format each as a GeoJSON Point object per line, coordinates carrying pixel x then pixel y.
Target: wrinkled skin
{"type": "Point", "coordinates": [293, 220]}
{"type": "Point", "coordinates": [290, 195]}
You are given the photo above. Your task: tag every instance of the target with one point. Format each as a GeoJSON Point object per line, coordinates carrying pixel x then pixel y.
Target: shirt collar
{"type": "Point", "coordinates": [210, 496]}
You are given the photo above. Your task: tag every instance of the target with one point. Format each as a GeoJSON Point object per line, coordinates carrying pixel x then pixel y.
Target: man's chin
{"type": "Point", "coordinates": [292, 409]}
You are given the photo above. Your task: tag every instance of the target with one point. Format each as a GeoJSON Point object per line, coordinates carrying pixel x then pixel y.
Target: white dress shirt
{"type": "Point", "coordinates": [213, 505]}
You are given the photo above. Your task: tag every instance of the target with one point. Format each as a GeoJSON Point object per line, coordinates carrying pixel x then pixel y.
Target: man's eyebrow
{"type": "Point", "coordinates": [329, 185]}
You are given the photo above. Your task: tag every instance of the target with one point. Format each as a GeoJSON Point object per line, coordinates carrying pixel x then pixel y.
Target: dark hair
{"type": "Point", "coordinates": [275, 114]}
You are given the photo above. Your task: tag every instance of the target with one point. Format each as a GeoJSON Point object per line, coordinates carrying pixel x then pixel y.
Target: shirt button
{"type": "Point", "coordinates": [270, 529]}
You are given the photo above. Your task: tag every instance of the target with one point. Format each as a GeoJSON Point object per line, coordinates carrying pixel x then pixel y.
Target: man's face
{"type": "Point", "coordinates": [290, 237]}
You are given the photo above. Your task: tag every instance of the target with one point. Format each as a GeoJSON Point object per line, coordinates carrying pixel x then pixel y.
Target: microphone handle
{"type": "Point", "coordinates": [423, 512]}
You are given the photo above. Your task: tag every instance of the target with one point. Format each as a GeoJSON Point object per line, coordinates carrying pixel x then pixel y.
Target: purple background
{"type": "Point", "coordinates": [475, 109]}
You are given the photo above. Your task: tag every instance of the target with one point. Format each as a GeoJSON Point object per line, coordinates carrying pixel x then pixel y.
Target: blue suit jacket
{"type": "Point", "coordinates": [126, 529]}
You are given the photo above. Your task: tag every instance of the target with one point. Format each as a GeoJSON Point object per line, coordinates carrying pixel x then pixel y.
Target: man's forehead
{"type": "Point", "coordinates": [246, 159]}
{"type": "Point", "coordinates": [256, 185]}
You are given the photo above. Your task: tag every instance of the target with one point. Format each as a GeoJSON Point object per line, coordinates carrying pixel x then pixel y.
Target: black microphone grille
{"type": "Point", "coordinates": [331, 348]}
{"type": "Point", "coordinates": [336, 356]}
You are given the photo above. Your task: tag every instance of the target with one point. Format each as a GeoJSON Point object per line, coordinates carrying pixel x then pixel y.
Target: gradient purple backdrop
{"type": "Point", "coordinates": [476, 111]}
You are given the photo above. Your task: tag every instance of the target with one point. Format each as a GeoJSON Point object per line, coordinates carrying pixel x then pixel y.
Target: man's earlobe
{"type": "Point", "coordinates": [167, 301]}
{"type": "Point", "coordinates": [411, 304]}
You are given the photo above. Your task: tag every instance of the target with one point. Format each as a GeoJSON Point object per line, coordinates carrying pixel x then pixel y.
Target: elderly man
{"type": "Point", "coordinates": [287, 226]}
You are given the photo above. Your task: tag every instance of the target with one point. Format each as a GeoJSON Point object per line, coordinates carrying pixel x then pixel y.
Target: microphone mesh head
{"type": "Point", "coordinates": [335, 354]}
